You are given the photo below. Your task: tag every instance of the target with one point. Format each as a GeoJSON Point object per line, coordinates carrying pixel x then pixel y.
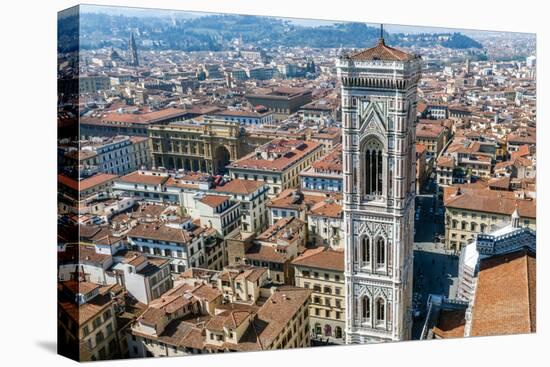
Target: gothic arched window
{"type": "Point", "coordinates": [373, 174]}
{"type": "Point", "coordinates": [380, 252]}
{"type": "Point", "coordinates": [365, 249]}
{"type": "Point", "coordinates": [365, 308]}
{"type": "Point", "coordinates": [380, 310]}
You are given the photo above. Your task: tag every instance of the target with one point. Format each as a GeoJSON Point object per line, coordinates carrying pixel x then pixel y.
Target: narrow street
{"type": "Point", "coordinates": [435, 270]}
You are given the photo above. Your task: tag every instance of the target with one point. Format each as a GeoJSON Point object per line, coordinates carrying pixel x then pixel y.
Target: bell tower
{"type": "Point", "coordinates": [134, 60]}
{"type": "Point", "coordinates": [379, 88]}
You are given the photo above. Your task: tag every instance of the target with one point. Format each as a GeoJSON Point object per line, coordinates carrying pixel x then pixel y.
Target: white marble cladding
{"type": "Point", "coordinates": [378, 112]}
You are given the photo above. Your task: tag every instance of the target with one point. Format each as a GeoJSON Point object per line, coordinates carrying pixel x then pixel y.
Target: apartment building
{"type": "Point", "coordinates": [252, 196]}
{"type": "Point", "coordinates": [275, 248]}
{"type": "Point", "coordinates": [145, 278]}
{"type": "Point", "coordinates": [432, 136]}
{"type": "Point", "coordinates": [242, 283]}
{"type": "Point", "coordinates": [325, 174]}
{"type": "Point", "coordinates": [182, 243]}
{"type": "Point", "coordinates": [469, 211]}
{"type": "Point", "coordinates": [86, 319]}
{"type": "Point", "coordinates": [277, 163]}
{"type": "Point", "coordinates": [219, 212]}
{"type": "Point", "coordinates": [115, 155]}
{"type": "Point", "coordinates": [192, 320]}
{"type": "Point", "coordinates": [325, 223]}
{"type": "Point", "coordinates": [295, 203]}
{"type": "Point", "coordinates": [322, 271]}
{"type": "Point", "coordinates": [254, 118]}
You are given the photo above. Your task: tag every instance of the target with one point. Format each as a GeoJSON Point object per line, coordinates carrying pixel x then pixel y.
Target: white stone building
{"type": "Point", "coordinates": [505, 240]}
{"type": "Point", "coordinates": [379, 89]}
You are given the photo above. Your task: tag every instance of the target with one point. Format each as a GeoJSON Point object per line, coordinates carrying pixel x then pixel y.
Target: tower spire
{"type": "Point", "coordinates": [134, 61]}
{"type": "Point", "coordinates": [381, 33]}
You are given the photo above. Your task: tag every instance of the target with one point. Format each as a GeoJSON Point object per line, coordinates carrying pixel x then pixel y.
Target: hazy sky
{"type": "Point", "coordinates": [390, 28]}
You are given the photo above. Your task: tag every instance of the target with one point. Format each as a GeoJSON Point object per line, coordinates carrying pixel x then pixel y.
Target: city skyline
{"type": "Point", "coordinates": [390, 27]}
{"type": "Point", "coordinates": [230, 188]}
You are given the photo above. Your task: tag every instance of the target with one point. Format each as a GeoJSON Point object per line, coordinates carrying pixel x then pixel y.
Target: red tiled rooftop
{"type": "Point", "coordinates": [489, 201]}
{"type": "Point", "coordinates": [138, 177]}
{"type": "Point", "coordinates": [322, 258]}
{"type": "Point", "coordinates": [87, 183]}
{"type": "Point", "coordinates": [143, 118]}
{"type": "Point", "coordinates": [241, 187]}
{"type": "Point", "coordinates": [290, 152]}
{"type": "Point", "coordinates": [214, 200]}
{"type": "Point", "coordinates": [505, 298]}
{"type": "Point", "coordinates": [382, 52]}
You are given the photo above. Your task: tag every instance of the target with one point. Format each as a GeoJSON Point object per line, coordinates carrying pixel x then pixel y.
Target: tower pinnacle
{"type": "Point", "coordinates": [134, 61]}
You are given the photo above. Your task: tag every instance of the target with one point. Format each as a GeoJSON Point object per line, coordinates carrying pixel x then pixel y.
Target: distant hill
{"type": "Point", "coordinates": [216, 32]}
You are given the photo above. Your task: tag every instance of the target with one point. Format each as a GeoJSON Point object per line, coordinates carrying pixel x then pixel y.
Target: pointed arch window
{"type": "Point", "coordinates": [365, 308]}
{"type": "Point", "coordinates": [365, 250]}
{"type": "Point", "coordinates": [380, 310]}
{"type": "Point", "coordinates": [373, 173]}
{"type": "Point", "coordinates": [380, 252]}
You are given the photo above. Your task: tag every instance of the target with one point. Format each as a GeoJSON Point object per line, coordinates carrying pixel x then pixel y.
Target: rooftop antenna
{"type": "Point", "coordinates": [381, 33]}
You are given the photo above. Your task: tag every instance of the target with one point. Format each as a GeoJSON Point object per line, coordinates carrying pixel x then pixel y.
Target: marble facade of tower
{"type": "Point", "coordinates": [379, 89]}
{"type": "Point", "coordinates": [134, 61]}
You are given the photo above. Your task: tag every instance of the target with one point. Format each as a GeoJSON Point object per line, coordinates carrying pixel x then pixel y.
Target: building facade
{"type": "Point", "coordinates": [277, 163]}
{"type": "Point", "coordinates": [470, 211]}
{"type": "Point", "coordinates": [283, 102]}
{"type": "Point", "coordinates": [192, 320]}
{"type": "Point", "coordinates": [324, 174]}
{"type": "Point", "coordinates": [252, 196]}
{"type": "Point", "coordinates": [246, 117]}
{"type": "Point", "coordinates": [204, 147]}
{"type": "Point", "coordinates": [86, 313]}
{"type": "Point", "coordinates": [322, 271]}
{"type": "Point", "coordinates": [115, 155]}
{"type": "Point", "coordinates": [379, 88]}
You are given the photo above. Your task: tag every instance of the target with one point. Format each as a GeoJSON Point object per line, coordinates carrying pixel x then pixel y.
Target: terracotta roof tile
{"type": "Point", "coordinates": [87, 183]}
{"type": "Point", "coordinates": [241, 187]}
{"type": "Point", "coordinates": [321, 258]}
{"type": "Point", "coordinates": [161, 232]}
{"type": "Point", "coordinates": [505, 298]}
{"type": "Point", "coordinates": [288, 152]}
{"type": "Point", "coordinates": [489, 201]}
{"type": "Point", "coordinates": [214, 200]}
{"type": "Point", "coordinates": [139, 177]}
{"type": "Point", "coordinates": [382, 52]}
